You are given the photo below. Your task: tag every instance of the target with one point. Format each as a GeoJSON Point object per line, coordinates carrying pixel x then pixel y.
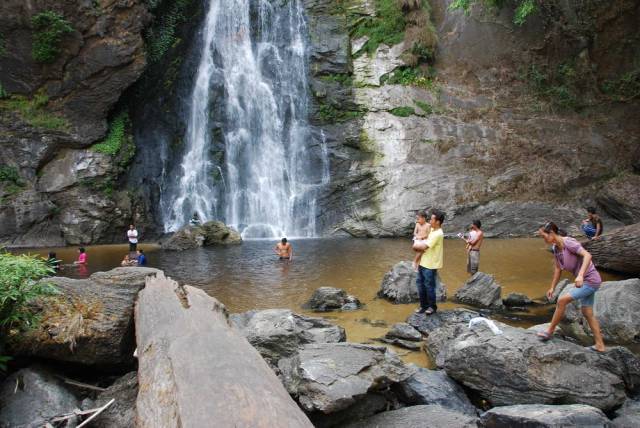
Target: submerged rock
{"type": "Point", "coordinates": [208, 234]}
{"type": "Point", "coordinates": [278, 333]}
{"type": "Point", "coordinates": [89, 322]}
{"type": "Point", "coordinates": [616, 306]}
{"type": "Point", "coordinates": [517, 299]}
{"type": "Point", "coordinates": [418, 416]}
{"type": "Point", "coordinates": [544, 416]}
{"type": "Point", "coordinates": [434, 387]}
{"type": "Point", "coordinates": [481, 290]}
{"type": "Point", "coordinates": [399, 285]}
{"type": "Point", "coordinates": [330, 377]}
{"type": "Point", "coordinates": [515, 367]}
{"type": "Point", "coordinates": [326, 299]}
{"type": "Point", "coordinates": [405, 331]}
{"type": "Point", "coordinates": [30, 397]}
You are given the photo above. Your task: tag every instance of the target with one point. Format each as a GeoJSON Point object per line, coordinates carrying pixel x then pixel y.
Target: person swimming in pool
{"type": "Point", "coordinates": [284, 250]}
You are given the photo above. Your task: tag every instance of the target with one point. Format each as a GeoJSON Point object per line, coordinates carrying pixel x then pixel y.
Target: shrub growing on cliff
{"type": "Point", "coordinates": [33, 111]}
{"type": "Point", "coordinates": [19, 286]}
{"type": "Point", "coordinates": [49, 27]}
{"type": "Point", "coordinates": [161, 36]}
{"type": "Point", "coordinates": [524, 8]}
{"type": "Point", "coordinates": [115, 138]}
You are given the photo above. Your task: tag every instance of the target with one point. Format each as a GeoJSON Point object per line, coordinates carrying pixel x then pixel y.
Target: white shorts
{"type": "Point", "coordinates": [419, 241]}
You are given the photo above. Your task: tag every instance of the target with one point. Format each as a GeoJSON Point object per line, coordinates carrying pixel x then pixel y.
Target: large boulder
{"type": "Point", "coordinates": [30, 397]}
{"type": "Point", "coordinates": [331, 377]}
{"type": "Point", "coordinates": [441, 327]}
{"type": "Point", "coordinates": [399, 285]}
{"type": "Point", "coordinates": [418, 417]}
{"type": "Point", "coordinates": [207, 234]}
{"type": "Point", "coordinates": [326, 299]}
{"type": "Point", "coordinates": [616, 306]}
{"type": "Point", "coordinates": [481, 290]}
{"type": "Point", "coordinates": [627, 416]}
{"type": "Point", "coordinates": [89, 322]}
{"type": "Point", "coordinates": [278, 333]}
{"type": "Point", "coordinates": [544, 416]}
{"type": "Point", "coordinates": [618, 250]}
{"type": "Point", "coordinates": [194, 369]}
{"type": "Point", "coordinates": [515, 367]}
{"type": "Point", "coordinates": [434, 387]}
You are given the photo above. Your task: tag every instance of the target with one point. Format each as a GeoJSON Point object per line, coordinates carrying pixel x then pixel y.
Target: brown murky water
{"type": "Point", "coordinates": [249, 276]}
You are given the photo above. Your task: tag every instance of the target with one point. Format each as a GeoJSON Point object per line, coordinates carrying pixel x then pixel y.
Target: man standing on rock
{"type": "Point", "coordinates": [430, 262]}
{"type": "Point", "coordinates": [132, 235]}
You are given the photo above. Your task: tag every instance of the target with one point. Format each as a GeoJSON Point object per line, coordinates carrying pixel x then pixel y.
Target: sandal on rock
{"type": "Point", "coordinates": [593, 348]}
{"type": "Point", "coordinates": [543, 335]}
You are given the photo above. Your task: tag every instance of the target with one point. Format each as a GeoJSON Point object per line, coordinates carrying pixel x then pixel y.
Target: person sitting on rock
{"type": "Point", "coordinates": [420, 234]}
{"type": "Point", "coordinates": [195, 220]}
{"type": "Point", "coordinates": [592, 225]}
{"type": "Point", "coordinates": [284, 250]}
{"type": "Point", "coordinates": [570, 256]}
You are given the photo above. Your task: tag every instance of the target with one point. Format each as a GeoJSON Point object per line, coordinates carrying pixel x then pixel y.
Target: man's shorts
{"type": "Point", "coordinates": [473, 261]}
{"type": "Point", "coordinates": [585, 294]}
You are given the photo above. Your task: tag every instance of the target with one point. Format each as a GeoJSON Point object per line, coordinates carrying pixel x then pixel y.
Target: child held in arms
{"type": "Point", "coordinates": [420, 234]}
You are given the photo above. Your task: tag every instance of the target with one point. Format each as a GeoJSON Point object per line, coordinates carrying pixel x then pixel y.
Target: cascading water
{"type": "Point", "coordinates": [267, 181]}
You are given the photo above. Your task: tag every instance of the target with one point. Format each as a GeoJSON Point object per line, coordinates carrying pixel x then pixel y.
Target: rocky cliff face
{"type": "Point", "coordinates": [472, 114]}
{"type": "Point", "coordinates": [63, 67]}
{"type": "Point", "coordinates": [499, 133]}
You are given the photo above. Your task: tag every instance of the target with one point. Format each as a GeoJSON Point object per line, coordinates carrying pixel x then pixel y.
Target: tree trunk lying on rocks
{"type": "Point", "coordinates": [618, 250]}
{"type": "Point", "coordinates": [195, 370]}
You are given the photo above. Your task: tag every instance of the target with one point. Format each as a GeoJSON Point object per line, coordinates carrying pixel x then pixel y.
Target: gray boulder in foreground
{"type": "Point", "coordinates": [480, 290]}
{"type": "Point", "coordinates": [122, 413]}
{"type": "Point", "coordinates": [434, 387]}
{"type": "Point", "coordinates": [325, 299]}
{"type": "Point", "coordinates": [89, 322]}
{"type": "Point", "coordinates": [278, 333]}
{"type": "Point", "coordinates": [627, 416]}
{"type": "Point", "coordinates": [544, 416]}
{"type": "Point", "coordinates": [617, 306]}
{"type": "Point", "coordinates": [204, 235]}
{"type": "Point", "coordinates": [32, 396]}
{"type": "Point", "coordinates": [399, 285]}
{"type": "Point", "coordinates": [515, 367]}
{"type": "Point", "coordinates": [330, 377]}
{"type": "Point", "coordinates": [418, 417]}
{"type": "Point", "coordinates": [195, 370]}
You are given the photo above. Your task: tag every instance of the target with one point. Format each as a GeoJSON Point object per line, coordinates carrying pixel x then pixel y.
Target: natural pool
{"type": "Point", "coordinates": [250, 276]}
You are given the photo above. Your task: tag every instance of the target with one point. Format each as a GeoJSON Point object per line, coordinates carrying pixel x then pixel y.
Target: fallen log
{"type": "Point", "coordinates": [618, 250]}
{"type": "Point", "coordinates": [195, 370]}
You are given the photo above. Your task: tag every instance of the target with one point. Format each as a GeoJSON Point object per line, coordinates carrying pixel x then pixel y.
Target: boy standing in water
{"type": "Point", "coordinates": [284, 250]}
{"type": "Point", "coordinates": [420, 234]}
{"type": "Point", "coordinates": [476, 236]}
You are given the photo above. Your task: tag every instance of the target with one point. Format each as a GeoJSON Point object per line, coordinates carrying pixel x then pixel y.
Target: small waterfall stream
{"type": "Point", "coordinates": [267, 181]}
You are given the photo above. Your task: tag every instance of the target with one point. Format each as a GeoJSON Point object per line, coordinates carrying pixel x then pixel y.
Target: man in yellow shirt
{"type": "Point", "coordinates": [430, 262]}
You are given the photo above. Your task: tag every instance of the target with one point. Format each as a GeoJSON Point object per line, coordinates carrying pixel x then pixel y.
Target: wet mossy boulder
{"type": "Point", "coordinates": [208, 234]}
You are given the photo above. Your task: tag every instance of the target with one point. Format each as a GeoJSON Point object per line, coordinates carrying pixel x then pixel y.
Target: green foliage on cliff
{"type": "Point", "coordinates": [9, 174]}
{"type": "Point", "coordinates": [49, 27]}
{"type": "Point", "coordinates": [34, 111]}
{"type": "Point", "coordinates": [161, 36]}
{"type": "Point", "coordinates": [3, 92]}
{"type": "Point", "coordinates": [558, 86]}
{"type": "Point", "coordinates": [118, 142]}
{"type": "Point", "coordinates": [625, 88]}
{"type": "Point", "coordinates": [408, 76]}
{"type": "Point", "coordinates": [424, 106]}
{"type": "Point", "coordinates": [524, 8]}
{"type": "Point", "coordinates": [3, 45]}
{"type": "Point", "coordinates": [387, 26]}
{"type": "Point", "coordinates": [404, 111]}
{"type": "Point", "coordinates": [330, 114]}
{"type": "Point", "coordinates": [20, 286]}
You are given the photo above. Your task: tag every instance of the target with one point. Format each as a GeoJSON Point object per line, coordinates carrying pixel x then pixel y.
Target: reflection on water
{"type": "Point", "coordinates": [250, 276]}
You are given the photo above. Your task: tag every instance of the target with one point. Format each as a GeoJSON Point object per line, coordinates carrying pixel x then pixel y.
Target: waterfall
{"type": "Point", "coordinates": [268, 178]}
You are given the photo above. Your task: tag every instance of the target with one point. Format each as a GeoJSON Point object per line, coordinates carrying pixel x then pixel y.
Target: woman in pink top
{"type": "Point", "coordinates": [82, 257]}
{"type": "Point", "coordinates": [570, 256]}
